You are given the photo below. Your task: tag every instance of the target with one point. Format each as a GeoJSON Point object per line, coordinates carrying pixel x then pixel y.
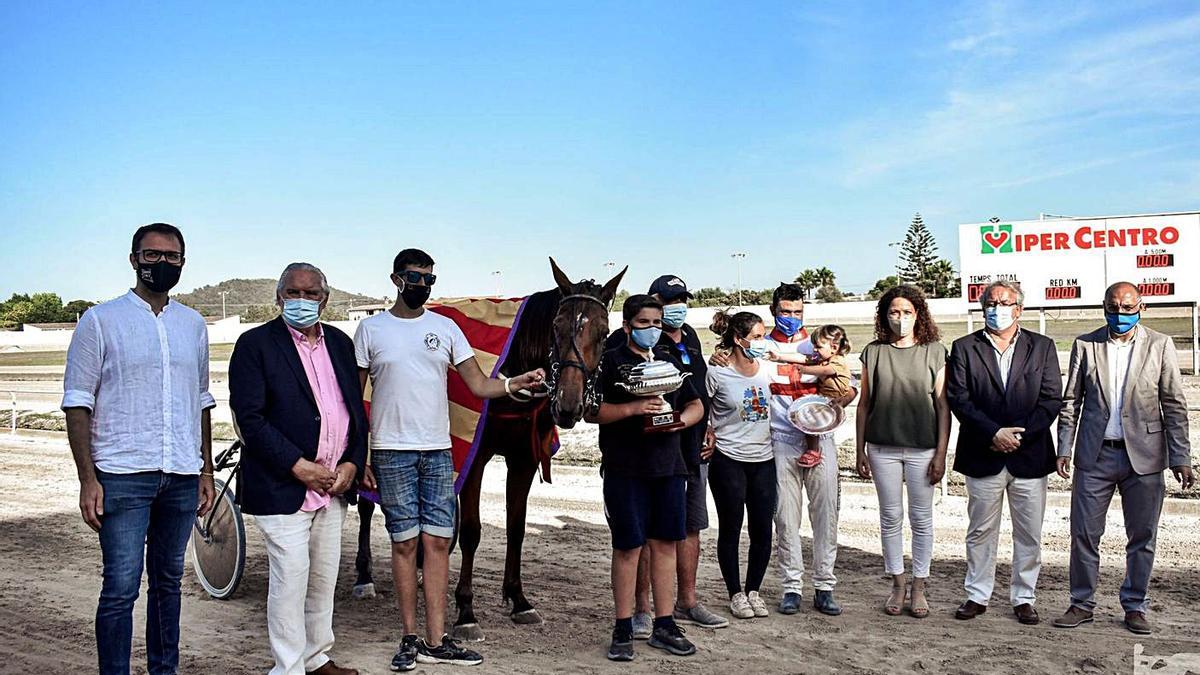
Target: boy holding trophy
{"type": "Point", "coordinates": [646, 403]}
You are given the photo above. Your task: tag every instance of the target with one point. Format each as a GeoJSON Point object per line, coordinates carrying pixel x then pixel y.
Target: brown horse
{"type": "Point", "coordinates": [562, 331]}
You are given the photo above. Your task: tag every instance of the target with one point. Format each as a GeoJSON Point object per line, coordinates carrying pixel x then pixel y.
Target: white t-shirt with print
{"type": "Point", "coordinates": [408, 361]}
{"type": "Point", "coordinates": [740, 411]}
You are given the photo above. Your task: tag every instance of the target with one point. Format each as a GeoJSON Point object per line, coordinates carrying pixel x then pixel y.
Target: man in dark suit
{"type": "Point", "coordinates": [1005, 387]}
{"type": "Point", "coordinates": [1125, 416]}
{"type": "Point", "coordinates": [294, 391]}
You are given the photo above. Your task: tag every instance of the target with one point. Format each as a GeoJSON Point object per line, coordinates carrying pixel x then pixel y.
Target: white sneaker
{"type": "Point", "coordinates": [740, 607]}
{"type": "Point", "coordinates": [756, 604]}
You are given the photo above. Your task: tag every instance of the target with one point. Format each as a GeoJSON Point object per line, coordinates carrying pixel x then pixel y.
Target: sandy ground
{"type": "Point", "coordinates": [50, 565]}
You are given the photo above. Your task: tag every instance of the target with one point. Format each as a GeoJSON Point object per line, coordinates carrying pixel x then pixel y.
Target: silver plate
{"type": "Point", "coordinates": [814, 414]}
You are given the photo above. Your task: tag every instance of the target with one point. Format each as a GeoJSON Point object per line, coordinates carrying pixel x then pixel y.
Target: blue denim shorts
{"type": "Point", "coordinates": [416, 492]}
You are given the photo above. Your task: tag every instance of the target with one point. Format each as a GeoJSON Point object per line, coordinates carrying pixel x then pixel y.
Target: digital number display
{"type": "Point", "coordinates": [1156, 289]}
{"type": "Point", "coordinates": [1063, 293]}
{"type": "Point", "coordinates": [1155, 260]}
{"type": "Point", "coordinates": [974, 291]}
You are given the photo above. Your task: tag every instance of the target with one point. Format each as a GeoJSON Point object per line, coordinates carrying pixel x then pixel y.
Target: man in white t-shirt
{"type": "Point", "coordinates": [407, 353]}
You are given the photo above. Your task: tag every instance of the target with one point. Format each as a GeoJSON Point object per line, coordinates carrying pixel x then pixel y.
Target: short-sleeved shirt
{"type": "Point", "coordinates": [838, 384]}
{"type": "Point", "coordinates": [741, 411]}
{"type": "Point", "coordinates": [901, 387]}
{"type": "Point", "coordinates": [625, 448]}
{"type": "Point", "coordinates": [408, 361]}
{"type": "Point", "coordinates": [690, 355]}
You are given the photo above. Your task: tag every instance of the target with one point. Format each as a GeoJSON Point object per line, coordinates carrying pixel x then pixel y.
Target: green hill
{"type": "Point", "coordinates": [255, 298]}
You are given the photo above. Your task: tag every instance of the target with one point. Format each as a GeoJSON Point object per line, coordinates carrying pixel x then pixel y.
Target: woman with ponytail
{"type": "Point", "coordinates": [742, 468]}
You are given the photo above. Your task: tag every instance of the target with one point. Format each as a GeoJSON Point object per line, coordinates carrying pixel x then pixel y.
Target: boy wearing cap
{"type": "Point", "coordinates": [644, 479]}
{"type": "Point", "coordinates": [680, 341]}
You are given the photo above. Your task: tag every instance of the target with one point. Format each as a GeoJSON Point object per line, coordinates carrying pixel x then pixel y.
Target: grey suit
{"type": "Point", "coordinates": [1155, 436]}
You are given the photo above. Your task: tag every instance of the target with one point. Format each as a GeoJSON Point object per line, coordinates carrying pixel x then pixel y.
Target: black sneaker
{"type": "Point", "coordinates": [621, 648]}
{"type": "Point", "coordinates": [406, 656]}
{"type": "Point", "coordinates": [447, 652]}
{"type": "Point", "coordinates": [672, 640]}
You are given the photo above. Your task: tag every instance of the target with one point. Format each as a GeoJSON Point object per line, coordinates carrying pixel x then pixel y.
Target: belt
{"type": "Point", "coordinates": [1117, 443]}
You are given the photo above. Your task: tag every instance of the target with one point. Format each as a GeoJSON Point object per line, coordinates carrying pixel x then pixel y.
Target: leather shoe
{"type": "Point", "coordinates": [1027, 615]}
{"type": "Point", "coordinates": [1073, 617]}
{"type": "Point", "coordinates": [790, 604]}
{"type": "Point", "coordinates": [969, 610]}
{"type": "Point", "coordinates": [1136, 623]}
{"type": "Point", "coordinates": [824, 603]}
{"type": "Point", "coordinates": [331, 668]}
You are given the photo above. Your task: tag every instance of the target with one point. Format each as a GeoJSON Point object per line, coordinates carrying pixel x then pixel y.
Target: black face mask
{"type": "Point", "coordinates": [159, 277]}
{"type": "Point", "coordinates": [414, 296]}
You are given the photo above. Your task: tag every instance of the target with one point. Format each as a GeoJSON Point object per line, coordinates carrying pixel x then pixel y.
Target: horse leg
{"type": "Point", "coordinates": [520, 478]}
{"type": "Point", "coordinates": [469, 530]}
{"type": "Point", "coordinates": [364, 585]}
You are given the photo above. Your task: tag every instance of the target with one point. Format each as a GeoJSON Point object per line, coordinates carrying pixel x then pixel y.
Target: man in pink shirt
{"type": "Point", "coordinates": [293, 388]}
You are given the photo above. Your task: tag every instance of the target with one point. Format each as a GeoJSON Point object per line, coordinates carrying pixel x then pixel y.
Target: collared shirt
{"type": "Point", "coordinates": [1119, 354]}
{"type": "Point", "coordinates": [1004, 358]}
{"type": "Point", "coordinates": [144, 377]}
{"type": "Point", "coordinates": [335, 418]}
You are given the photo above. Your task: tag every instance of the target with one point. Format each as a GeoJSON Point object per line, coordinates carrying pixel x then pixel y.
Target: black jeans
{"type": "Point", "coordinates": [739, 488]}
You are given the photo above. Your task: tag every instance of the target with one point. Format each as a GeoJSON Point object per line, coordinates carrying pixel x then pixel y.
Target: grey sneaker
{"type": "Point", "coordinates": [757, 604]}
{"type": "Point", "coordinates": [643, 626]}
{"type": "Point", "coordinates": [699, 616]}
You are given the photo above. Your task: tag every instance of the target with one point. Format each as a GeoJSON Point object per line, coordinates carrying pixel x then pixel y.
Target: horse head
{"type": "Point", "coordinates": [576, 345]}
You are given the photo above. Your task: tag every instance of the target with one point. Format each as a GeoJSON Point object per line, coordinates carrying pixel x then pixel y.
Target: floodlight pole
{"type": "Point", "coordinates": [739, 256]}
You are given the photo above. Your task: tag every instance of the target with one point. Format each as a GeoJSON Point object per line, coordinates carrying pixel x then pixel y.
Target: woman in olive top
{"type": "Point", "coordinates": [903, 428]}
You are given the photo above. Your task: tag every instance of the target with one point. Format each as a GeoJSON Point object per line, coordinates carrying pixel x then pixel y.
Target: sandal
{"type": "Point", "coordinates": [919, 611]}
{"type": "Point", "coordinates": [894, 607]}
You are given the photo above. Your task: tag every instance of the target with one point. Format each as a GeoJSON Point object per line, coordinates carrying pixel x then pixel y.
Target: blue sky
{"type": "Point", "coordinates": [664, 136]}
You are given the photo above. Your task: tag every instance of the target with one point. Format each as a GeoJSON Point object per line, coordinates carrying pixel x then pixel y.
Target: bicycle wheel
{"type": "Point", "coordinates": [219, 546]}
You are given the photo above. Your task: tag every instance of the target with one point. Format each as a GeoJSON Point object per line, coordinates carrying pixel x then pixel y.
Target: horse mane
{"type": "Point", "coordinates": [531, 345]}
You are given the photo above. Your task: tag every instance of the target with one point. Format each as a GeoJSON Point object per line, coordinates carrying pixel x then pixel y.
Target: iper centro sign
{"type": "Point", "coordinates": [1070, 261]}
{"type": "Point", "coordinates": [999, 238]}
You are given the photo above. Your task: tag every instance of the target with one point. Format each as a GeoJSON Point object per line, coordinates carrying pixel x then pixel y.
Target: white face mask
{"type": "Point", "coordinates": [998, 318]}
{"type": "Point", "coordinates": [903, 326]}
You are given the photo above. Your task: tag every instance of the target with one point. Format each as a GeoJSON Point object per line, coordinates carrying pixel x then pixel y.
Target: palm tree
{"type": "Point", "coordinates": [943, 280]}
{"type": "Point", "coordinates": [807, 281]}
{"type": "Point", "coordinates": [825, 277]}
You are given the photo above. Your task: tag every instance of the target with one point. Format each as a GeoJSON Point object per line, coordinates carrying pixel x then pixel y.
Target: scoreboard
{"type": "Point", "coordinates": [1068, 262]}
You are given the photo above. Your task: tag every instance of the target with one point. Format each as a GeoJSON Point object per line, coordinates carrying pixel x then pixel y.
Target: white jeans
{"type": "Point", "coordinates": [304, 549]}
{"type": "Point", "coordinates": [892, 469]}
{"type": "Point", "coordinates": [824, 491]}
{"type": "Point", "coordinates": [1027, 507]}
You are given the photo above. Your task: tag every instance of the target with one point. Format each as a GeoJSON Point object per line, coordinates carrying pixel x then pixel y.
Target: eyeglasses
{"type": "Point", "coordinates": [414, 277]}
{"type": "Point", "coordinates": [992, 303]}
{"type": "Point", "coordinates": [151, 255]}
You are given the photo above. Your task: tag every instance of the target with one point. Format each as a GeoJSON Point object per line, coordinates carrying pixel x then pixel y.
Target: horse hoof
{"type": "Point", "coordinates": [363, 591]}
{"type": "Point", "coordinates": [528, 617]}
{"type": "Point", "coordinates": [468, 632]}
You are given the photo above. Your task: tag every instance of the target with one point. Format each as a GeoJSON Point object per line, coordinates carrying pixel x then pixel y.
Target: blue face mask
{"type": "Point", "coordinates": [299, 313]}
{"type": "Point", "coordinates": [789, 325]}
{"type": "Point", "coordinates": [1122, 323]}
{"type": "Point", "coordinates": [674, 315]}
{"type": "Point", "coordinates": [646, 338]}
{"type": "Point", "coordinates": [756, 350]}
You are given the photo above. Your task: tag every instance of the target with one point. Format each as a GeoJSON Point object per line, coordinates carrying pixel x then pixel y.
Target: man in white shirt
{"type": "Point", "coordinates": [1125, 416]}
{"type": "Point", "coordinates": [407, 352]}
{"type": "Point", "coordinates": [137, 404]}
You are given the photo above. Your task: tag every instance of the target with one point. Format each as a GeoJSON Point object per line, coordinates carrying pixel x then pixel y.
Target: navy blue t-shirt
{"type": "Point", "coordinates": [625, 447]}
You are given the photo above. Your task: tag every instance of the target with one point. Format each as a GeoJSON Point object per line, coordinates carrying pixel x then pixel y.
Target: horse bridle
{"type": "Point", "coordinates": [592, 396]}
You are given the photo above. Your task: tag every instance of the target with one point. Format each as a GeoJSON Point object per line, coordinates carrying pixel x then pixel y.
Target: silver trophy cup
{"type": "Point", "coordinates": [655, 378]}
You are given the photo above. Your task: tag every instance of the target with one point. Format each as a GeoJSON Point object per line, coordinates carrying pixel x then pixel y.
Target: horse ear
{"type": "Point", "coordinates": [610, 289]}
{"type": "Point", "coordinates": [560, 278]}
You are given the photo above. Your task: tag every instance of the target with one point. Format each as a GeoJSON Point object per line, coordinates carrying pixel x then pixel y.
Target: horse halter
{"type": "Point", "coordinates": [592, 396]}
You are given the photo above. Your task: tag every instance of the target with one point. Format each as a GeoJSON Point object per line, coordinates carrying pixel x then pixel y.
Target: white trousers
{"type": "Point", "coordinates": [1027, 508]}
{"type": "Point", "coordinates": [304, 549]}
{"type": "Point", "coordinates": [894, 471]}
{"type": "Point", "coordinates": [824, 492]}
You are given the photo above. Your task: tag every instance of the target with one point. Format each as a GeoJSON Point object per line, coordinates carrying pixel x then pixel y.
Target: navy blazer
{"type": "Point", "coordinates": [278, 417]}
{"type": "Point", "coordinates": [983, 405]}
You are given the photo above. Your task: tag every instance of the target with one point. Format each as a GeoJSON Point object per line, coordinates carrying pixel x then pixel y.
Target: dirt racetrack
{"type": "Point", "coordinates": [50, 564]}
